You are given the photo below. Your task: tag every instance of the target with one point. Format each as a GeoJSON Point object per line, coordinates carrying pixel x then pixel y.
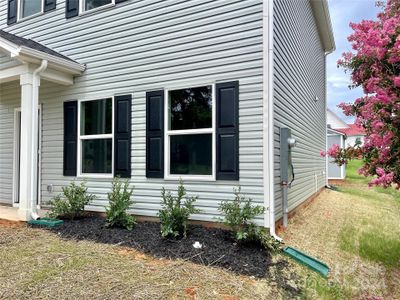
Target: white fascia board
{"type": "Point", "coordinates": [26, 54]}
{"type": "Point", "coordinates": [323, 19]}
{"type": "Point", "coordinates": [334, 132]}
{"type": "Point", "coordinates": [12, 48]}
{"type": "Point", "coordinates": [55, 62]}
{"type": "Point", "coordinates": [57, 77]}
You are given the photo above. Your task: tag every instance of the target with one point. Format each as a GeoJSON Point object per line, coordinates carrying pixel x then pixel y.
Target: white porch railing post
{"type": "Point", "coordinates": [27, 171]}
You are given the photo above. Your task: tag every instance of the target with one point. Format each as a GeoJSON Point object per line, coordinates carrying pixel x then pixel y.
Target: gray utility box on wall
{"type": "Point", "coordinates": [286, 168]}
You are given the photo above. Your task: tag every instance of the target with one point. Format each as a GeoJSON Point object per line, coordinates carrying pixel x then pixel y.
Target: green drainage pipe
{"type": "Point", "coordinates": [306, 260]}
{"type": "Point", "coordinates": [45, 222]}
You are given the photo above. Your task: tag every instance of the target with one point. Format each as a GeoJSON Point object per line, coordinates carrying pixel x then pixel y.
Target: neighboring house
{"type": "Point", "coordinates": [335, 125]}
{"type": "Point", "coordinates": [343, 135]}
{"type": "Point", "coordinates": [334, 121]}
{"type": "Point", "coordinates": [354, 134]}
{"type": "Point", "coordinates": [335, 137]}
{"type": "Point", "coordinates": [154, 91]}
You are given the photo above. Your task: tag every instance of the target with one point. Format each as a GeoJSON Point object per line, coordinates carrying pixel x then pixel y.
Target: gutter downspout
{"type": "Point", "coordinates": [268, 113]}
{"type": "Point", "coordinates": [35, 129]}
{"type": "Point", "coordinates": [326, 122]}
{"type": "Point", "coordinates": [326, 138]}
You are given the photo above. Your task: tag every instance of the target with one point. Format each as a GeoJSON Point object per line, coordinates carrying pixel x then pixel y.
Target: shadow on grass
{"type": "Point", "coordinates": [363, 193]}
{"type": "Point", "coordinates": [373, 194]}
{"type": "Point", "coordinates": [390, 191]}
{"type": "Point", "coordinates": [371, 244]}
{"type": "Point", "coordinates": [352, 175]}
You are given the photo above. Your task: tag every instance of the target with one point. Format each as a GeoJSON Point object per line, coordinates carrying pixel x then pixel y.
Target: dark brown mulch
{"type": "Point", "coordinates": [218, 247]}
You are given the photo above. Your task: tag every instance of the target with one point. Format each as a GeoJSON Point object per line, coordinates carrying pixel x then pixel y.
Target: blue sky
{"type": "Point", "coordinates": [342, 13]}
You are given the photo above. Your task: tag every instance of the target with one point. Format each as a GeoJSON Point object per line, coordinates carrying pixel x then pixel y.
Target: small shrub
{"type": "Point", "coordinates": [175, 212]}
{"type": "Point", "coordinates": [71, 203]}
{"type": "Point", "coordinates": [239, 215]}
{"type": "Point", "coordinates": [119, 202]}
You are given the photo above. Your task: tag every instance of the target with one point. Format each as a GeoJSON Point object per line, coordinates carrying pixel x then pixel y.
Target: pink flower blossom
{"type": "Point", "coordinates": [373, 65]}
{"type": "Point", "coordinates": [383, 178]}
{"type": "Point", "coordinates": [396, 81]}
{"type": "Point", "coordinates": [333, 151]}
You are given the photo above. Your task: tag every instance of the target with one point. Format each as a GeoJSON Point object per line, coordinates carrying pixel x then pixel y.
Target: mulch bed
{"type": "Point", "coordinates": [218, 247]}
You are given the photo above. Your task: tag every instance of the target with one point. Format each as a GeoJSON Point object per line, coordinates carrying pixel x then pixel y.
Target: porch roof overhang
{"type": "Point", "coordinates": [60, 68]}
{"type": "Point", "coordinates": [333, 131]}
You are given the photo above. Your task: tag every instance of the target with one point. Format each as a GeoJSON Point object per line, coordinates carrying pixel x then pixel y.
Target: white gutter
{"type": "Point", "coordinates": [34, 131]}
{"type": "Point", "coordinates": [26, 54]}
{"type": "Point", "coordinates": [326, 114]}
{"type": "Point", "coordinates": [268, 116]}
{"type": "Point", "coordinates": [326, 130]}
{"type": "Point", "coordinates": [57, 62]}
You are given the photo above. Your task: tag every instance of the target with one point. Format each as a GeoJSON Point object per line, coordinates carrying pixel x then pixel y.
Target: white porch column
{"type": "Point", "coordinates": [29, 133]}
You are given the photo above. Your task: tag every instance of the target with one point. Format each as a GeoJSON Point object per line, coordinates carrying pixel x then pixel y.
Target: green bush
{"type": "Point", "coordinates": [119, 202]}
{"type": "Point", "coordinates": [239, 215]}
{"type": "Point", "coordinates": [71, 203]}
{"type": "Point", "coordinates": [175, 212]}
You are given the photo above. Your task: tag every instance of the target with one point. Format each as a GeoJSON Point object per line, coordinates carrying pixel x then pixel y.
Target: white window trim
{"type": "Point", "coordinates": [93, 137]}
{"type": "Point", "coordinates": [168, 133]}
{"type": "Point", "coordinates": [19, 11]}
{"type": "Point", "coordinates": [82, 10]}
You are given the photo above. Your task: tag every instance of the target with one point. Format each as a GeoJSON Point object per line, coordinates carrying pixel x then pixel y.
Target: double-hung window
{"type": "Point", "coordinates": [190, 134]}
{"type": "Point", "coordinates": [193, 133]}
{"type": "Point", "coordinates": [29, 8]}
{"type": "Point", "coordinates": [95, 145]}
{"type": "Point", "coordinates": [18, 10]}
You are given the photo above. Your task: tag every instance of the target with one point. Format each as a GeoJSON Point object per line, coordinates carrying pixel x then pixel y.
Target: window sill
{"type": "Point", "coordinates": [94, 10]}
{"type": "Point", "coordinates": [95, 176]}
{"type": "Point", "coordinates": [190, 178]}
{"type": "Point", "coordinates": [30, 17]}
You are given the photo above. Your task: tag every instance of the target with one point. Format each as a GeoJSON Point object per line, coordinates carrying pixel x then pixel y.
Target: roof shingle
{"type": "Point", "coordinates": [352, 130]}
{"type": "Point", "coordinates": [31, 44]}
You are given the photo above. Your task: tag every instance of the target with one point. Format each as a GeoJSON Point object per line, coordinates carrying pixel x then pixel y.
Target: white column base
{"type": "Point", "coordinates": [24, 214]}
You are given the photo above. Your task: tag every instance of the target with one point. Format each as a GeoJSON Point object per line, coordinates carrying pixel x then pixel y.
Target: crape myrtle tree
{"type": "Point", "coordinates": [374, 65]}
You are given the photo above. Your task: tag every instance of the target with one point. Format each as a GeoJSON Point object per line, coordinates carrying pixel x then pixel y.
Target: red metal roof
{"type": "Point", "coordinates": [352, 130]}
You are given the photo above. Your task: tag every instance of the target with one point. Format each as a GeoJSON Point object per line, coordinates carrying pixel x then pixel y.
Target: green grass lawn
{"type": "Point", "coordinates": [356, 231]}
{"type": "Point", "coordinates": [352, 175]}
{"type": "Point", "coordinates": [378, 239]}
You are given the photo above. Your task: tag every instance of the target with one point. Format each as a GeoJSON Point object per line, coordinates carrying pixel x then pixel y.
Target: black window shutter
{"type": "Point", "coordinates": [122, 136]}
{"type": "Point", "coordinates": [70, 137]}
{"type": "Point", "coordinates": [227, 130]}
{"type": "Point", "coordinates": [71, 8]}
{"type": "Point", "coordinates": [12, 12]}
{"type": "Point", "coordinates": [49, 5]}
{"type": "Point", "coordinates": [155, 134]}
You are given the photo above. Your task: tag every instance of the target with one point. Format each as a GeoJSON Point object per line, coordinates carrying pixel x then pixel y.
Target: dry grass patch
{"type": "Point", "coordinates": [38, 264]}
{"type": "Point", "coordinates": [356, 231]}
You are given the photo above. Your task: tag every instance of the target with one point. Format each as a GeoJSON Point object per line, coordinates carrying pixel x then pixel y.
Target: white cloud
{"type": "Point", "coordinates": [342, 13]}
{"type": "Point", "coordinates": [339, 81]}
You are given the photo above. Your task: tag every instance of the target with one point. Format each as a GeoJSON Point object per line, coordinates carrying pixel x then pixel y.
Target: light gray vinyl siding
{"type": "Point", "coordinates": [7, 62]}
{"type": "Point", "coordinates": [139, 46]}
{"type": "Point", "coordinates": [299, 76]}
{"type": "Point", "coordinates": [9, 100]}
